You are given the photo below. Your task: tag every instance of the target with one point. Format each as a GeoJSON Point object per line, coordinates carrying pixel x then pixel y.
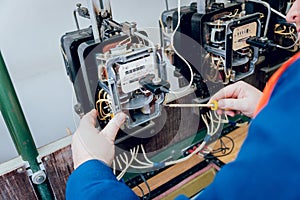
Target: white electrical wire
{"type": "Point", "coordinates": [288, 47]}
{"type": "Point", "coordinates": [119, 163]}
{"type": "Point", "coordinates": [138, 161]}
{"type": "Point", "coordinates": [211, 123]}
{"type": "Point", "coordinates": [145, 156]}
{"type": "Point", "coordinates": [224, 121]}
{"type": "Point", "coordinates": [125, 160]}
{"type": "Point", "coordinates": [206, 123]}
{"type": "Point", "coordinates": [218, 125]}
{"type": "Point", "coordinates": [211, 130]}
{"type": "Point", "coordinates": [114, 167]}
{"type": "Point", "coordinates": [128, 164]}
{"type": "Point", "coordinates": [144, 165]}
{"type": "Point", "coordinates": [198, 149]}
{"type": "Point", "coordinates": [181, 90]}
{"type": "Point", "coordinates": [187, 157]}
{"type": "Point", "coordinates": [278, 13]}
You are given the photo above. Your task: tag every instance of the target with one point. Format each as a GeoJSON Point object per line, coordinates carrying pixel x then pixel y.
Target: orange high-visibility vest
{"type": "Point", "coordinates": [267, 92]}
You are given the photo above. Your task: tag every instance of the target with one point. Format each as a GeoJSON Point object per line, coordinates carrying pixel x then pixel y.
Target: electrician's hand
{"type": "Point", "coordinates": [89, 143]}
{"type": "Point", "coordinates": [237, 97]}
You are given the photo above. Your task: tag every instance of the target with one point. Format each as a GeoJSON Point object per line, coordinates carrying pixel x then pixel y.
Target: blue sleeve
{"type": "Point", "coordinates": [181, 197]}
{"type": "Point", "coordinates": [95, 180]}
{"type": "Point", "coordinates": [267, 166]}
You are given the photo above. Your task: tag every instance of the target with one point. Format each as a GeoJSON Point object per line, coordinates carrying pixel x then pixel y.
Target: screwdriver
{"type": "Point", "coordinates": [213, 105]}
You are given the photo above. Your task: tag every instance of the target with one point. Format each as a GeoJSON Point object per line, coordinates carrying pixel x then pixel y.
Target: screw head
{"type": "Point", "coordinates": [38, 177]}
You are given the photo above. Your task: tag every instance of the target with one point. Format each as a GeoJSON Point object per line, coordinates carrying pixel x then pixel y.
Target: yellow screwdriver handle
{"type": "Point", "coordinates": [215, 105]}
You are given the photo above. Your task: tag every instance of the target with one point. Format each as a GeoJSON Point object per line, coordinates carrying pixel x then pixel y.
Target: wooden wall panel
{"type": "Point", "coordinates": [59, 166]}
{"type": "Point", "coordinates": [15, 185]}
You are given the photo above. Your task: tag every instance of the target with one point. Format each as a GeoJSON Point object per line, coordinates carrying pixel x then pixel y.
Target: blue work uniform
{"type": "Point", "coordinates": [267, 167]}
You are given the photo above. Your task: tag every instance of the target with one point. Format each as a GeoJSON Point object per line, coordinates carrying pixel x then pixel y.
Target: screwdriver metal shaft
{"type": "Point", "coordinates": [213, 105]}
{"type": "Point", "coordinates": [190, 105]}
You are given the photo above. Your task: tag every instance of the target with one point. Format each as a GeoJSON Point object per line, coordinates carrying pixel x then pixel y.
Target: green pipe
{"type": "Point", "coordinates": [15, 119]}
{"type": "Point", "coordinates": [17, 125]}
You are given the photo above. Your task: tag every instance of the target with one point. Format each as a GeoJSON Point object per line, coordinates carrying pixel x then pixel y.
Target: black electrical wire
{"type": "Point", "coordinates": [148, 187]}
{"type": "Point", "coordinates": [143, 194]}
{"type": "Point", "coordinates": [225, 150]}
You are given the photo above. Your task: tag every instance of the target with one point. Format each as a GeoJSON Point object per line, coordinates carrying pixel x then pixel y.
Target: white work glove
{"type": "Point", "coordinates": [89, 143]}
{"type": "Point", "coordinates": [237, 97]}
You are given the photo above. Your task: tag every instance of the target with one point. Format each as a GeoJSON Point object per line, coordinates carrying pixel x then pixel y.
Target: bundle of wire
{"type": "Point", "coordinates": [103, 105]}
{"type": "Point", "coordinates": [212, 129]}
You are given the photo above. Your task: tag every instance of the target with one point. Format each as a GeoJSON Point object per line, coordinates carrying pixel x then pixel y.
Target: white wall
{"type": "Point", "coordinates": [29, 42]}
